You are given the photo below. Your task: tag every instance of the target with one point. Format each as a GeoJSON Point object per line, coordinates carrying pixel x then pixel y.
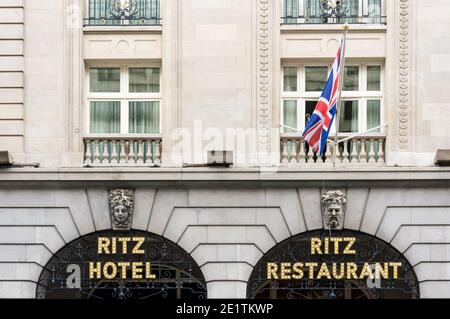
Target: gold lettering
{"type": "Point", "coordinates": [315, 246]}
{"type": "Point", "coordinates": [124, 241]}
{"type": "Point", "coordinates": [272, 269]}
{"type": "Point", "coordinates": [348, 249]}
{"type": "Point", "coordinates": [285, 271]}
{"type": "Point", "coordinates": [136, 270]}
{"type": "Point", "coordinates": [298, 272]}
{"type": "Point", "coordinates": [366, 272]}
{"type": "Point", "coordinates": [139, 241]}
{"type": "Point", "coordinates": [107, 273]}
{"type": "Point", "coordinates": [395, 267]}
{"type": "Point", "coordinates": [351, 271]}
{"type": "Point", "coordinates": [123, 268]}
{"type": "Point", "coordinates": [383, 271]}
{"type": "Point", "coordinates": [95, 269]}
{"type": "Point", "coordinates": [148, 271]}
{"type": "Point", "coordinates": [324, 272]}
{"type": "Point", "coordinates": [103, 245]}
{"type": "Point", "coordinates": [342, 271]}
{"type": "Point", "coordinates": [336, 242]}
{"type": "Point", "coordinates": [311, 267]}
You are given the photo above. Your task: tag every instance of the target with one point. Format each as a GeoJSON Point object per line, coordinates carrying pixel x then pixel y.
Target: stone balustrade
{"type": "Point", "coordinates": [362, 150]}
{"type": "Point", "coordinates": [116, 151]}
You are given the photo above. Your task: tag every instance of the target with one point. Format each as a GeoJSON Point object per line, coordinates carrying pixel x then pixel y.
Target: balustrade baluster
{"type": "Point", "coordinates": [301, 152]}
{"type": "Point", "coordinates": [140, 157]}
{"type": "Point", "coordinates": [293, 155]}
{"type": "Point", "coordinates": [346, 152]}
{"type": "Point", "coordinates": [284, 153]}
{"type": "Point", "coordinates": [131, 153]}
{"type": "Point", "coordinates": [363, 153]}
{"type": "Point", "coordinates": [381, 155]}
{"type": "Point", "coordinates": [123, 152]}
{"type": "Point", "coordinates": [329, 153]}
{"type": "Point", "coordinates": [355, 157]}
{"type": "Point", "coordinates": [158, 152]}
{"type": "Point", "coordinates": [114, 152]}
{"type": "Point", "coordinates": [88, 155]}
{"type": "Point", "coordinates": [97, 151]}
{"type": "Point", "coordinates": [104, 158]}
{"type": "Point", "coordinates": [371, 151]}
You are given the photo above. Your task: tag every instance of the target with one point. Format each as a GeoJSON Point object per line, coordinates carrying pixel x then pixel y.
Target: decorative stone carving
{"type": "Point", "coordinates": [333, 209]}
{"type": "Point", "coordinates": [404, 68]}
{"type": "Point", "coordinates": [121, 206]}
{"type": "Point", "coordinates": [264, 77]}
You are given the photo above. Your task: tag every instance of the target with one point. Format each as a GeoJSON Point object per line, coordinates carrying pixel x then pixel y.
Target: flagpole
{"type": "Point", "coordinates": [338, 101]}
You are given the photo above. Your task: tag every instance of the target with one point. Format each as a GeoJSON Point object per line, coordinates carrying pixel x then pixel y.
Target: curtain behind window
{"type": "Point", "coordinates": [373, 114]}
{"type": "Point", "coordinates": [374, 11]}
{"type": "Point", "coordinates": [144, 117]}
{"type": "Point", "coordinates": [105, 117]}
{"type": "Point", "coordinates": [290, 115]}
{"type": "Point", "coordinates": [313, 11]}
{"type": "Point", "coordinates": [144, 80]}
{"type": "Point", "coordinates": [348, 122]}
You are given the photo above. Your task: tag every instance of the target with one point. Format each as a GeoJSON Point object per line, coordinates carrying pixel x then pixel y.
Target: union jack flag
{"type": "Point", "coordinates": [321, 121]}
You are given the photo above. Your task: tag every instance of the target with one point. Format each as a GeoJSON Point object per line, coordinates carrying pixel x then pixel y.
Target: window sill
{"type": "Point", "coordinates": [123, 29]}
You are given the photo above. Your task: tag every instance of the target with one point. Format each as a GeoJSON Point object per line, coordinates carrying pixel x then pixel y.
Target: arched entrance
{"type": "Point", "coordinates": [121, 265]}
{"type": "Point", "coordinates": [333, 265]}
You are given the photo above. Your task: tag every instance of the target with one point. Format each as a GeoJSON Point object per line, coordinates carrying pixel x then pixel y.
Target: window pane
{"type": "Point", "coordinates": [351, 78]}
{"type": "Point", "coordinates": [291, 8]}
{"type": "Point", "coordinates": [374, 78]}
{"type": "Point", "coordinates": [290, 79]}
{"type": "Point", "coordinates": [310, 106]}
{"type": "Point", "coordinates": [315, 78]}
{"type": "Point", "coordinates": [290, 115]}
{"type": "Point", "coordinates": [313, 11]}
{"type": "Point", "coordinates": [144, 80]}
{"type": "Point", "coordinates": [373, 114]}
{"type": "Point", "coordinates": [104, 79]}
{"type": "Point", "coordinates": [144, 117]}
{"type": "Point", "coordinates": [105, 117]}
{"type": "Point", "coordinates": [374, 11]}
{"type": "Point", "coordinates": [348, 120]}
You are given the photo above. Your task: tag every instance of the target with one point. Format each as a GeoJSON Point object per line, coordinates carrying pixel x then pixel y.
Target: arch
{"type": "Point", "coordinates": [267, 282]}
{"type": "Point", "coordinates": [158, 268]}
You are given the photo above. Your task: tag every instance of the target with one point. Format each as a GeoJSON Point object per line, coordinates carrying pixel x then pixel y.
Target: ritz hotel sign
{"type": "Point", "coordinates": [120, 246]}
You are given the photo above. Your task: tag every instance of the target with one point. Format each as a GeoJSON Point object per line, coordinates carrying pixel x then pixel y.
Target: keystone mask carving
{"type": "Point", "coordinates": [121, 206]}
{"type": "Point", "coordinates": [333, 209]}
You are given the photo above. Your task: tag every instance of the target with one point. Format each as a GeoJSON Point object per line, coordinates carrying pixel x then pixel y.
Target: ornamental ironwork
{"type": "Point", "coordinates": [334, 8]}
{"type": "Point", "coordinates": [149, 267]}
{"type": "Point", "coordinates": [123, 12]}
{"type": "Point", "coordinates": [368, 251]}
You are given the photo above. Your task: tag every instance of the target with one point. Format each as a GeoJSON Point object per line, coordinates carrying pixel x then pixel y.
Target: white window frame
{"type": "Point", "coordinates": [124, 96]}
{"type": "Point", "coordinates": [362, 96]}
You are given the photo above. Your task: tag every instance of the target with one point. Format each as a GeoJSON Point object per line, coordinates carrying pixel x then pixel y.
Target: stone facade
{"type": "Point", "coordinates": [221, 69]}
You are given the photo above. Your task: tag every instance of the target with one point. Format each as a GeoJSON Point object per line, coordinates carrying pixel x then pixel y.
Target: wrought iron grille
{"type": "Point", "coordinates": [123, 12]}
{"type": "Point", "coordinates": [333, 11]}
{"type": "Point", "coordinates": [177, 274]}
{"type": "Point", "coordinates": [369, 249]}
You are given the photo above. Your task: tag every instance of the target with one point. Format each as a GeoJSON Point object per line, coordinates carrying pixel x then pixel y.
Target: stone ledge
{"type": "Point", "coordinates": [234, 177]}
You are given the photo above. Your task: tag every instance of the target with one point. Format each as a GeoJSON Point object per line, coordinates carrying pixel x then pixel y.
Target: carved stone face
{"type": "Point", "coordinates": [333, 215]}
{"type": "Point", "coordinates": [333, 209]}
{"type": "Point", "coordinates": [121, 213]}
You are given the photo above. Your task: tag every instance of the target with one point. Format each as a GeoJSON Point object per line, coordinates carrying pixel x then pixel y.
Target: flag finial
{"type": "Point", "coordinates": [346, 27]}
